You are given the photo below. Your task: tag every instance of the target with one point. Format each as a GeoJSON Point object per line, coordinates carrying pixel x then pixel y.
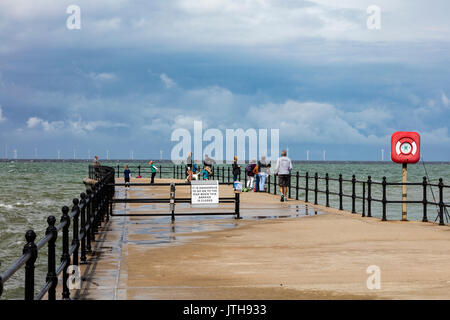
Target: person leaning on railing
{"type": "Point", "coordinates": [236, 169]}
{"type": "Point", "coordinates": [96, 168]}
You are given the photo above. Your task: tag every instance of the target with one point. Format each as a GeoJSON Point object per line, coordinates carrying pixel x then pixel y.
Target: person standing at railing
{"type": "Point", "coordinates": [249, 171]}
{"type": "Point", "coordinates": [205, 173]}
{"type": "Point", "coordinates": [189, 167]}
{"type": "Point", "coordinates": [236, 169]}
{"type": "Point", "coordinates": [283, 170]}
{"type": "Point", "coordinates": [96, 168]}
{"type": "Point", "coordinates": [256, 175]}
{"type": "Point", "coordinates": [126, 175]}
{"type": "Point", "coordinates": [154, 169]}
{"type": "Point", "coordinates": [263, 173]}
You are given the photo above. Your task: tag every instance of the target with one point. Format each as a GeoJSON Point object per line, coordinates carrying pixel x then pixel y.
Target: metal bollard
{"type": "Point", "coordinates": [441, 202]}
{"type": "Point", "coordinates": [83, 227]}
{"type": "Point", "coordinates": [369, 196]}
{"type": "Point", "coordinates": [425, 202]}
{"type": "Point", "coordinates": [75, 238]}
{"type": "Point", "coordinates": [353, 193]}
{"type": "Point", "coordinates": [237, 205]}
{"type": "Point", "coordinates": [307, 186]}
{"type": "Point", "coordinates": [88, 220]}
{"type": "Point", "coordinates": [316, 181]}
{"type": "Point", "coordinates": [383, 200]}
{"type": "Point", "coordinates": [30, 248]}
{"type": "Point", "coordinates": [65, 251]}
{"type": "Point", "coordinates": [364, 200]}
{"type": "Point", "coordinates": [340, 193]}
{"type": "Point", "coordinates": [172, 200]}
{"type": "Point", "coordinates": [51, 272]}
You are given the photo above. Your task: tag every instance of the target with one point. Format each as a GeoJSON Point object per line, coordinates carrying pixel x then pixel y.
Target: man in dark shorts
{"type": "Point", "coordinates": [283, 170]}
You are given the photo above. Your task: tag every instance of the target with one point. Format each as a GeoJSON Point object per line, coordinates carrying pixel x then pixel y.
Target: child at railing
{"type": "Point", "coordinates": [126, 175]}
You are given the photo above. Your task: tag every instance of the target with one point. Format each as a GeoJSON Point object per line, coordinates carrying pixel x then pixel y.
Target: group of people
{"type": "Point", "coordinates": [256, 171]}
{"type": "Point", "coordinates": [193, 172]}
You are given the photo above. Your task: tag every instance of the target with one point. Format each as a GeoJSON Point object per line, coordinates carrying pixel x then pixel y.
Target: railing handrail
{"type": "Point", "coordinates": [100, 189]}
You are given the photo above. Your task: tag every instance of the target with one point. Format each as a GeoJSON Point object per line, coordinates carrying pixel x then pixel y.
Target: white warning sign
{"type": "Point", "coordinates": [205, 193]}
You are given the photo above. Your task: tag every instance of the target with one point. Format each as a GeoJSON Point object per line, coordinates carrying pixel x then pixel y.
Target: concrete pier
{"type": "Point", "coordinates": [288, 250]}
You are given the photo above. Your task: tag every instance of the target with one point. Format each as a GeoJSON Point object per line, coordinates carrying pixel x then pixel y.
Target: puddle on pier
{"type": "Point", "coordinates": [160, 231]}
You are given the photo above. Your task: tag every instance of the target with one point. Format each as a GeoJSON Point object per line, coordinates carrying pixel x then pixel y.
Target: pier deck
{"type": "Point", "coordinates": [292, 255]}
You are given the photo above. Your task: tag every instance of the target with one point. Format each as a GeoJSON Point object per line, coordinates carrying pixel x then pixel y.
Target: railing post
{"type": "Point", "coordinates": [139, 170]}
{"type": "Point", "coordinates": [327, 189]}
{"type": "Point", "coordinates": [297, 177]}
{"type": "Point", "coordinates": [83, 228]}
{"type": "Point", "coordinates": [65, 251]}
{"type": "Point", "coordinates": [228, 174]}
{"type": "Point", "coordinates": [88, 220]}
{"type": "Point", "coordinates": [245, 179]}
{"type": "Point", "coordinates": [118, 170]}
{"type": "Point", "coordinates": [341, 207]}
{"type": "Point", "coordinates": [268, 184]}
{"type": "Point", "coordinates": [274, 185]}
{"type": "Point", "coordinates": [237, 205]}
{"type": "Point", "coordinates": [424, 200]}
{"type": "Point", "coordinates": [75, 238]}
{"type": "Point", "coordinates": [173, 168]}
{"type": "Point", "coordinates": [364, 200]}
{"type": "Point", "coordinates": [172, 201]}
{"type": "Point", "coordinates": [102, 203]}
{"type": "Point", "coordinates": [160, 171]}
{"type": "Point", "coordinates": [353, 193]}
{"type": "Point", "coordinates": [441, 202]}
{"type": "Point", "coordinates": [316, 180]}
{"type": "Point", "coordinates": [369, 196]}
{"type": "Point", "coordinates": [95, 209]}
{"type": "Point", "coordinates": [290, 185]}
{"type": "Point", "coordinates": [31, 248]}
{"type": "Point", "coordinates": [383, 200]}
{"type": "Point", "coordinates": [223, 174]}
{"type": "Point", "coordinates": [51, 271]}
{"type": "Point", "coordinates": [306, 186]}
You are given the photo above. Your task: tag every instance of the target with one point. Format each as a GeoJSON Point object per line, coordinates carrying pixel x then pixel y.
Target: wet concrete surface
{"type": "Point", "coordinates": [104, 275]}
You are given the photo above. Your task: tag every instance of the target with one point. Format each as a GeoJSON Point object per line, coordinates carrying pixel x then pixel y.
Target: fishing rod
{"type": "Point", "coordinates": [434, 198]}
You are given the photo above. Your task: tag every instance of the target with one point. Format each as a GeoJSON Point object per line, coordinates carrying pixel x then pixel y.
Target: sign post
{"type": "Point", "coordinates": [405, 148]}
{"type": "Point", "coordinates": [404, 191]}
{"type": "Point", "coordinates": [205, 193]}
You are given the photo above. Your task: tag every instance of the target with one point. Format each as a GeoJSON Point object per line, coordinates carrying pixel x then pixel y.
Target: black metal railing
{"type": "Point", "coordinates": [362, 191]}
{"type": "Point", "coordinates": [86, 217]}
{"type": "Point", "coordinates": [173, 200]}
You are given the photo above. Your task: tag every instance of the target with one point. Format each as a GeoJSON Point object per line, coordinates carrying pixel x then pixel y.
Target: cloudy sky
{"type": "Point", "coordinates": [138, 69]}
